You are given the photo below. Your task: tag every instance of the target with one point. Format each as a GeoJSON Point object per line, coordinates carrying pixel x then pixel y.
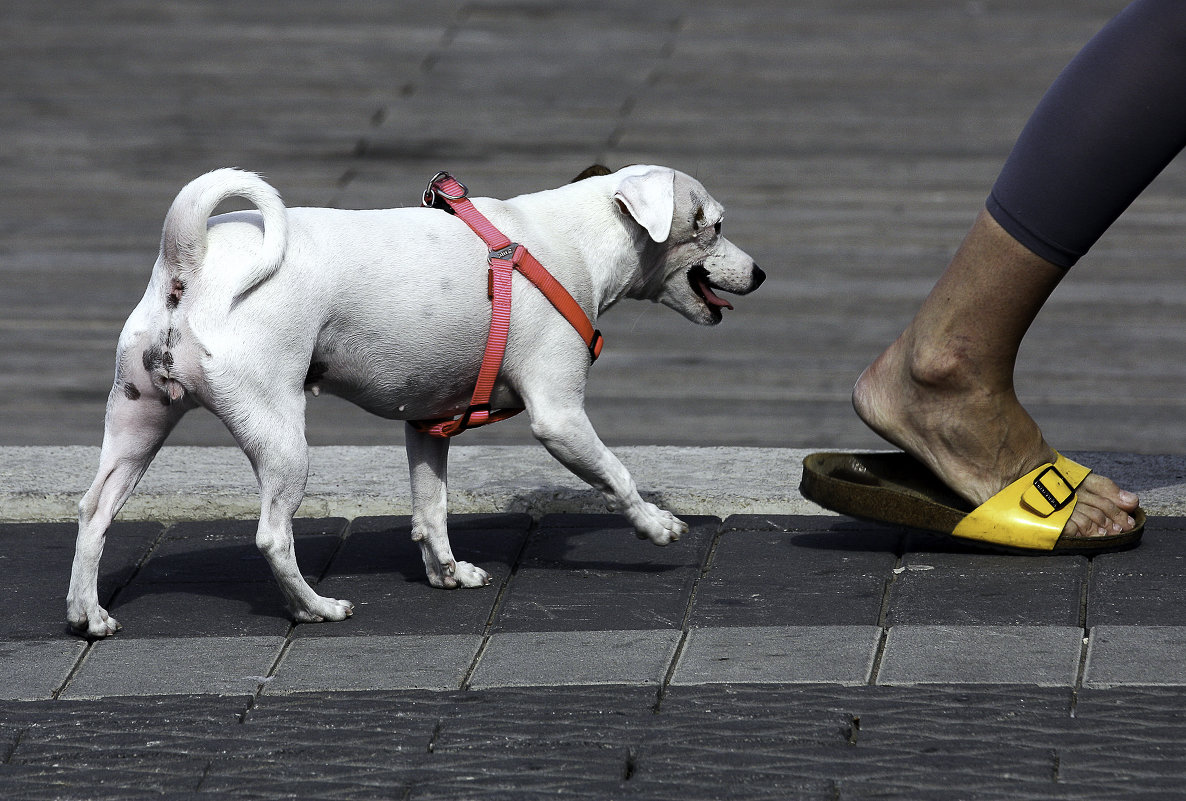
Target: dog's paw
{"type": "Point", "coordinates": [660, 526]}
{"type": "Point", "coordinates": [468, 575]}
{"type": "Point", "coordinates": [94, 625]}
{"type": "Point", "coordinates": [327, 610]}
{"type": "Point", "coordinates": [459, 574]}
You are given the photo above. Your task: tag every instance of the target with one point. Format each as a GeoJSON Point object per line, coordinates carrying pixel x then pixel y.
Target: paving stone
{"type": "Point", "coordinates": [1119, 655]}
{"type": "Point", "coordinates": [568, 716]}
{"type": "Point", "coordinates": [288, 778]}
{"type": "Point", "coordinates": [218, 665]}
{"type": "Point", "coordinates": [1124, 738]}
{"type": "Point", "coordinates": [546, 772]}
{"type": "Point", "coordinates": [36, 560]}
{"type": "Point", "coordinates": [596, 575]}
{"type": "Point", "coordinates": [796, 571]}
{"type": "Point", "coordinates": [381, 571]}
{"type": "Point", "coordinates": [576, 657]}
{"type": "Point", "coordinates": [376, 663]}
{"type": "Point", "coordinates": [358, 724]}
{"type": "Point", "coordinates": [955, 588]}
{"type": "Point", "coordinates": [119, 747]}
{"type": "Point", "coordinates": [33, 669]}
{"type": "Point", "coordinates": [793, 715]}
{"type": "Point", "coordinates": [133, 779]}
{"type": "Point", "coordinates": [779, 655]}
{"type": "Point", "coordinates": [209, 579]}
{"type": "Point", "coordinates": [1143, 586]}
{"type": "Point", "coordinates": [1042, 655]}
{"type": "Point", "coordinates": [191, 609]}
{"type": "Point", "coordinates": [225, 551]}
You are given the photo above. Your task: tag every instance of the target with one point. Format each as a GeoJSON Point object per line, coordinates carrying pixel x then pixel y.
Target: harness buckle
{"type": "Point", "coordinates": [464, 422]}
{"type": "Point", "coordinates": [506, 254]}
{"type": "Point", "coordinates": [595, 346]}
{"type": "Point", "coordinates": [434, 193]}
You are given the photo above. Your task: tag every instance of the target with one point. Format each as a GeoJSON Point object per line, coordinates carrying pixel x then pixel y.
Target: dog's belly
{"type": "Point", "coordinates": [397, 401]}
{"type": "Point", "coordinates": [403, 387]}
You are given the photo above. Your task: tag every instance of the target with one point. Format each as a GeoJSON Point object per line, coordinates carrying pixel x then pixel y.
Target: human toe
{"type": "Point", "coordinates": [1103, 509]}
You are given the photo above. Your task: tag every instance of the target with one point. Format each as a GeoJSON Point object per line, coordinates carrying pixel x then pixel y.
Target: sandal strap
{"type": "Point", "coordinates": [1032, 511]}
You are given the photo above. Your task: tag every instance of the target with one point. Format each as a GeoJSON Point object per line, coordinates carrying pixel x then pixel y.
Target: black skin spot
{"type": "Point", "coordinates": [153, 358]}
{"type": "Point", "coordinates": [317, 371]}
{"type": "Point", "coordinates": [130, 391]}
{"type": "Point", "coordinates": [175, 293]}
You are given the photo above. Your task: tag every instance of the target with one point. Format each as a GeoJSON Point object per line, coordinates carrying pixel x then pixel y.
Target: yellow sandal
{"type": "Point", "coordinates": [895, 488]}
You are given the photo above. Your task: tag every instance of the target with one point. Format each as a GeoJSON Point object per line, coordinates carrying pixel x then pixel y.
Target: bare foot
{"type": "Point", "coordinates": [976, 438]}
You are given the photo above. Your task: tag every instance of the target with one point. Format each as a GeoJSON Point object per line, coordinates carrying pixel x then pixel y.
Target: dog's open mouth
{"type": "Point", "coordinates": [698, 278]}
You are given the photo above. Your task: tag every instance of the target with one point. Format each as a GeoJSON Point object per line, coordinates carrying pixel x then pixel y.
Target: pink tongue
{"type": "Point", "coordinates": [710, 297]}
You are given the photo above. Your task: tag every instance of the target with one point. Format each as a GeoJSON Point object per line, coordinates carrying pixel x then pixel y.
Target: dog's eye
{"type": "Point", "coordinates": [717, 228]}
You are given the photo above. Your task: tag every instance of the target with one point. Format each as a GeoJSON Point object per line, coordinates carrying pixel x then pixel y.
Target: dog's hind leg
{"type": "Point", "coordinates": [428, 459]}
{"type": "Point", "coordinates": [135, 427]}
{"type": "Point", "coordinates": [271, 431]}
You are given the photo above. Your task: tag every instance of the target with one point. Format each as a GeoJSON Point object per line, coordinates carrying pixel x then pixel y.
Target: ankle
{"type": "Point", "coordinates": [951, 367]}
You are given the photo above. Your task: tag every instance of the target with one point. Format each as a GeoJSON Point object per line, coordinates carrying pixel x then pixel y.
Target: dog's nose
{"type": "Point", "coordinates": [759, 277]}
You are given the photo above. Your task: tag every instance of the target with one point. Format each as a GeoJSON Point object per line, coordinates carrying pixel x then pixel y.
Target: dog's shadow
{"type": "Point", "coordinates": [227, 576]}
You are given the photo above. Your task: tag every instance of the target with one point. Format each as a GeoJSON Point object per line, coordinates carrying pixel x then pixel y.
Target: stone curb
{"type": "Point", "coordinates": [44, 484]}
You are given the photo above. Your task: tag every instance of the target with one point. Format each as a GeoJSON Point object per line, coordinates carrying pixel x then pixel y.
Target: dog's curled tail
{"type": "Point", "coordinates": [183, 240]}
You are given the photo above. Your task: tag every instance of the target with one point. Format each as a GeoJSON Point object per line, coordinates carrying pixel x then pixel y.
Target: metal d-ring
{"type": "Point", "coordinates": [432, 191]}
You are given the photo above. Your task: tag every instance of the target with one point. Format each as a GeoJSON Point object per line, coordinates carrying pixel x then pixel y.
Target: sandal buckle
{"type": "Point", "coordinates": [1049, 493]}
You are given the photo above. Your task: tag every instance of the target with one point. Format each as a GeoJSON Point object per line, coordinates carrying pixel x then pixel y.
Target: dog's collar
{"type": "Point", "coordinates": [447, 193]}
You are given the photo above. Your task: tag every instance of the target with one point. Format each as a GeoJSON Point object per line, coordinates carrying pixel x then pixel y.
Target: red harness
{"type": "Point", "coordinates": [447, 193]}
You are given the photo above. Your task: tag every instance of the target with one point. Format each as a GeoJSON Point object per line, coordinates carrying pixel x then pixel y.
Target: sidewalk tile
{"type": "Point", "coordinates": [576, 657]}
{"type": "Point", "coordinates": [375, 663]}
{"type": "Point", "coordinates": [964, 588]}
{"type": "Point", "coordinates": [1136, 655]}
{"type": "Point", "coordinates": [796, 571]}
{"type": "Point", "coordinates": [36, 558]}
{"type": "Point", "coordinates": [223, 609]}
{"type": "Point", "coordinates": [225, 551]}
{"type": "Point", "coordinates": [595, 574]}
{"type": "Point", "coordinates": [1041, 655]}
{"type": "Point", "coordinates": [779, 655]}
{"type": "Point", "coordinates": [381, 571]}
{"type": "Point", "coordinates": [205, 665]}
{"type": "Point", "coordinates": [1142, 587]}
{"type": "Point", "coordinates": [209, 579]}
{"type": "Point", "coordinates": [32, 670]}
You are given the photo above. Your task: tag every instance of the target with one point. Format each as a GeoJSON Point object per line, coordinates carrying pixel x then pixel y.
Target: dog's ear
{"type": "Point", "coordinates": [592, 172]}
{"type": "Point", "coordinates": [649, 198]}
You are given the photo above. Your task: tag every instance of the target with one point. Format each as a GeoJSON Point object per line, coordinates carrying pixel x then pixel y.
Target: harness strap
{"type": "Point", "coordinates": [447, 193]}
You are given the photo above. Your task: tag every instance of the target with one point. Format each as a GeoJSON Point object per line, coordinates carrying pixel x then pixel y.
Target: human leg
{"type": "Point", "coordinates": [943, 391]}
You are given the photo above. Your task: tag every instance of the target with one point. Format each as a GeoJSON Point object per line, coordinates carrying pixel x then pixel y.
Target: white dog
{"type": "Point", "coordinates": [246, 311]}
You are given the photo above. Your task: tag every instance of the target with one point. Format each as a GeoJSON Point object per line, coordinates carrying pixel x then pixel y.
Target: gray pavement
{"type": "Point", "coordinates": [777, 651]}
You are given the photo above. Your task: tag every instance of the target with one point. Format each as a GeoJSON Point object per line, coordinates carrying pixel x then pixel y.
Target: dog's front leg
{"type": "Point", "coordinates": [428, 460]}
{"type": "Point", "coordinates": [569, 436]}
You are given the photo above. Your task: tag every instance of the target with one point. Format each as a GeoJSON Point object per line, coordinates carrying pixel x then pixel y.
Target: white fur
{"type": "Point", "coordinates": [387, 308]}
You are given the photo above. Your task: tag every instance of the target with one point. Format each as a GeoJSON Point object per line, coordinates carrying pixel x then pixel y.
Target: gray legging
{"type": "Point", "coordinates": [1111, 122]}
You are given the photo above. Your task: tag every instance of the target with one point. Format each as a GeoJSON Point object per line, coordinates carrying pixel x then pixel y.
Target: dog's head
{"type": "Point", "coordinates": [686, 259]}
